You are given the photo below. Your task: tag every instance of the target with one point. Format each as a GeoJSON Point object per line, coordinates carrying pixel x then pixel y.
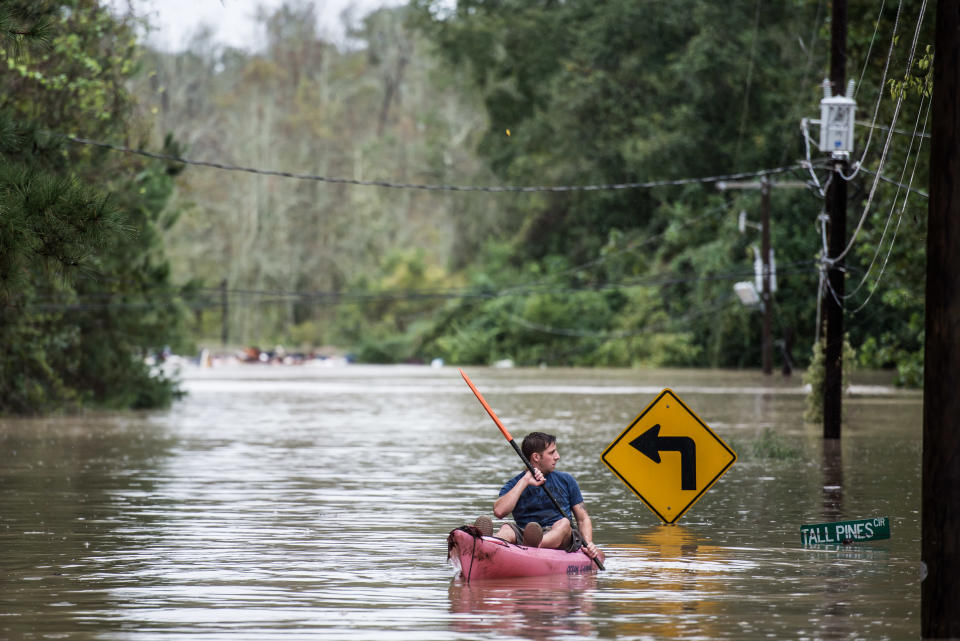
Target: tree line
{"type": "Point", "coordinates": [85, 288]}
{"type": "Point", "coordinates": [489, 92]}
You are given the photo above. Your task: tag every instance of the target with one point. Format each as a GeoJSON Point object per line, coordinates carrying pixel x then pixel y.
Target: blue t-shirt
{"type": "Point", "coordinates": [535, 505]}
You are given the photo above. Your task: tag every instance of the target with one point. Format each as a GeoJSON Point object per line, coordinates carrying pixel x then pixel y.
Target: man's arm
{"type": "Point", "coordinates": [586, 529]}
{"type": "Point", "coordinates": [505, 504]}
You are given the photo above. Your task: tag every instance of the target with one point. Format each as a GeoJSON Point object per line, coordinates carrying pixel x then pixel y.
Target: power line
{"type": "Point", "coordinates": [808, 65]}
{"type": "Point", "coordinates": [825, 258]}
{"type": "Point", "coordinates": [609, 334]}
{"type": "Point", "coordinates": [886, 146]}
{"type": "Point", "coordinates": [902, 132]}
{"type": "Point", "coordinates": [866, 59]}
{"type": "Point", "coordinates": [657, 280]}
{"type": "Point", "coordinates": [748, 83]}
{"type": "Point", "coordinates": [198, 301]}
{"type": "Point", "coordinates": [631, 246]}
{"type": "Point", "coordinates": [893, 238]}
{"type": "Point", "coordinates": [880, 92]}
{"type": "Point", "coordinates": [899, 184]}
{"type": "Point", "coordinates": [427, 187]}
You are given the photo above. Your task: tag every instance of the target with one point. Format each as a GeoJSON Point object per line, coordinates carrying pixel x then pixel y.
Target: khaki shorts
{"type": "Point", "coordinates": [576, 542]}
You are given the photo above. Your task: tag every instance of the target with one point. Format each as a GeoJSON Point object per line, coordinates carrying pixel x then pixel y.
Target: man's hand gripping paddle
{"type": "Point", "coordinates": [516, 448]}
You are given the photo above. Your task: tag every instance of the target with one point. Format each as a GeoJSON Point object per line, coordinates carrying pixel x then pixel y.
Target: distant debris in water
{"type": "Point", "coordinates": [280, 356]}
{"type": "Point", "coordinates": [506, 363]}
{"type": "Point", "coordinates": [437, 362]}
{"type": "Point", "coordinates": [166, 362]}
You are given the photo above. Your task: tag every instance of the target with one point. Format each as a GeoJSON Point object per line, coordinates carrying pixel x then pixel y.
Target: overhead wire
{"type": "Point", "coordinates": [808, 65]}
{"type": "Point", "coordinates": [558, 188]}
{"type": "Point", "coordinates": [809, 164]}
{"type": "Point", "coordinates": [749, 82]}
{"type": "Point", "coordinates": [893, 204]}
{"type": "Point", "coordinates": [610, 334]}
{"type": "Point", "coordinates": [893, 239]}
{"type": "Point", "coordinates": [266, 296]}
{"type": "Point", "coordinates": [880, 91]}
{"type": "Point", "coordinates": [886, 148]}
{"type": "Point", "coordinates": [635, 244]}
{"type": "Point", "coordinates": [826, 260]}
{"type": "Point", "coordinates": [332, 297]}
{"type": "Point", "coordinates": [428, 187]}
{"type": "Point", "coordinates": [866, 58]}
{"type": "Point", "coordinates": [199, 301]}
{"type": "Point", "coordinates": [918, 133]}
{"type": "Point", "coordinates": [390, 297]}
{"type": "Point", "coordinates": [891, 181]}
{"type": "Point", "coordinates": [528, 286]}
{"type": "Point", "coordinates": [903, 132]}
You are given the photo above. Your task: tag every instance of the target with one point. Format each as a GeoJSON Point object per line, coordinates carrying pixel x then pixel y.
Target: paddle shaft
{"type": "Point", "coordinates": [516, 448]}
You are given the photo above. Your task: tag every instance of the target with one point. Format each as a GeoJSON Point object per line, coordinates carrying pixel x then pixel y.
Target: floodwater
{"type": "Point", "coordinates": [314, 503]}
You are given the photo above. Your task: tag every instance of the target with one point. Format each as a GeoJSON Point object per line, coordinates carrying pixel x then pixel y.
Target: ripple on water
{"type": "Point", "coordinates": [294, 503]}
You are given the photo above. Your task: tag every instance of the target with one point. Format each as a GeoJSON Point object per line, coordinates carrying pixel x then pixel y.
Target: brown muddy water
{"type": "Point", "coordinates": [314, 503]}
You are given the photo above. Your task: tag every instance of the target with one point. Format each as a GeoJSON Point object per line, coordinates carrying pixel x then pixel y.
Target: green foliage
{"type": "Point", "coordinates": [84, 287]}
{"type": "Point", "coordinates": [772, 445]}
{"type": "Point", "coordinates": [383, 109]}
{"type": "Point", "coordinates": [885, 352]}
{"type": "Point", "coordinates": [625, 91]}
{"type": "Point", "coordinates": [616, 92]}
{"type": "Point", "coordinates": [815, 374]}
{"type": "Point", "coordinates": [386, 349]}
{"type": "Point", "coordinates": [534, 92]}
{"type": "Point", "coordinates": [919, 80]}
{"type": "Point", "coordinates": [24, 22]}
{"type": "Point", "coordinates": [385, 320]}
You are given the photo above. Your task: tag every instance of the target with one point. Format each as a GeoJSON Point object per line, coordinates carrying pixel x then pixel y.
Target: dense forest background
{"type": "Point", "coordinates": [651, 103]}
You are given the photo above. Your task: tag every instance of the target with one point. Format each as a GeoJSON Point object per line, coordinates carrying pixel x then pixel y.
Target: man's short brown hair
{"type": "Point", "coordinates": [536, 442]}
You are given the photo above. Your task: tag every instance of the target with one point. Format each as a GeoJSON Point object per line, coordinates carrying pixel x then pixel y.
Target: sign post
{"type": "Point", "coordinates": [668, 457]}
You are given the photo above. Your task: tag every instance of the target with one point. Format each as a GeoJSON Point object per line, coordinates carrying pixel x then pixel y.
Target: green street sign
{"type": "Point", "coordinates": [843, 532]}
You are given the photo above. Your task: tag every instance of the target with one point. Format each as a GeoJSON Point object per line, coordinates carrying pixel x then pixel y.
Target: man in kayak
{"type": "Point", "coordinates": [538, 524]}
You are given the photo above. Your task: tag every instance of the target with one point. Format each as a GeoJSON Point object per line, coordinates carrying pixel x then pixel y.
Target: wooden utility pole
{"type": "Point", "coordinates": [225, 313]}
{"type": "Point", "coordinates": [765, 294]}
{"type": "Point", "coordinates": [765, 185]}
{"type": "Point", "coordinates": [940, 545]}
{"type": "Point", "coordinates": [837, 211]}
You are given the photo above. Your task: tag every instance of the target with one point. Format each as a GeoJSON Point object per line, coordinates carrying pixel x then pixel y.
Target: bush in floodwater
{"type": "Point", "coordinates": [772, 445]}
{"type": "Point", "coordinates": [814, 377]}
{"type": "Point", "coordinates": [879, 353]}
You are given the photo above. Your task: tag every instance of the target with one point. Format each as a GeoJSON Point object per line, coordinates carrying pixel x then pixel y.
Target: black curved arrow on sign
{"type": "Point", "coordinates": [650, 444]}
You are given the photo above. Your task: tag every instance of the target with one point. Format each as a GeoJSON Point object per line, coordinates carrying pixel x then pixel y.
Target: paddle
{"type": "Point", "coordinates": [516, 448]}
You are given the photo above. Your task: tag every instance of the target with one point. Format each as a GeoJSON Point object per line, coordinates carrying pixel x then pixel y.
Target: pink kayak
{"type": "Point", "coordinates": [487, 557]}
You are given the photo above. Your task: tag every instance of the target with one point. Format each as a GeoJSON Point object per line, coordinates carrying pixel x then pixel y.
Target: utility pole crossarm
{"type": "Point", "coordinates": [724, 185]}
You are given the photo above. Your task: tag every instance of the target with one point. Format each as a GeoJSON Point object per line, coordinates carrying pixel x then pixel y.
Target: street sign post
{"type": "Point", "coordinates": [844, 532]}
{"type": "Point", "coordinates": [668, 457]}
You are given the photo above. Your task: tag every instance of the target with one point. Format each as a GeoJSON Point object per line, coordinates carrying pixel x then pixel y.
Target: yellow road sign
{"type": "Point", "coordinates": [668, 457]}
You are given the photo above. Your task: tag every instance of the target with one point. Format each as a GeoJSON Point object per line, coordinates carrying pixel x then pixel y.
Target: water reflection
{"type": "Point", "coordinates": [832, 465]}
{"type": "Point", "coordinates": [676, 575]}
{"type": "Point", "coordinates": [833, 622]}
{"type": "Point", "coordinates": [536, 608]}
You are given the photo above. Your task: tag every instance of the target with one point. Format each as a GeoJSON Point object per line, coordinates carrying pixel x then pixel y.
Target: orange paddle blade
{"type": "Point", "coordinates": [479, 396]}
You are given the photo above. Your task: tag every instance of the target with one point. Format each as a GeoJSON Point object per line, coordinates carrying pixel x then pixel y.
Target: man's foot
{"type": "Point", "coordinates": [532, 534]}
{"type": "Point", "coordinates": [485, 525]}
